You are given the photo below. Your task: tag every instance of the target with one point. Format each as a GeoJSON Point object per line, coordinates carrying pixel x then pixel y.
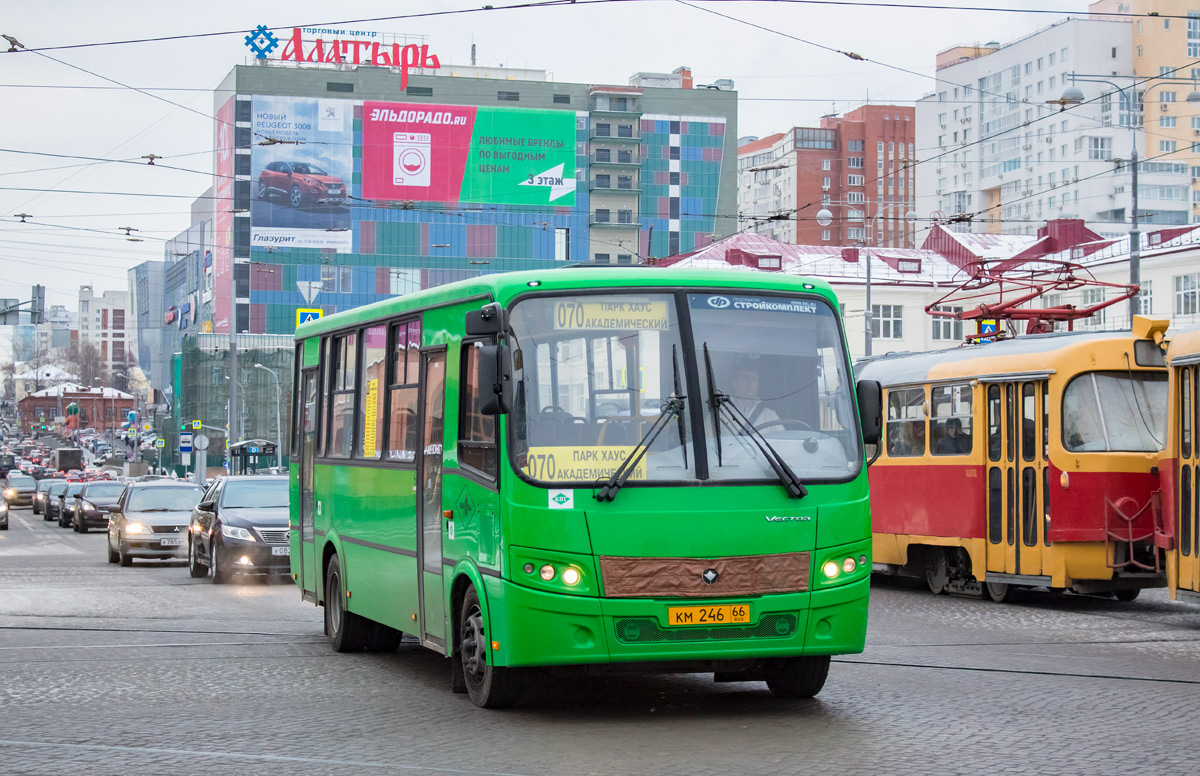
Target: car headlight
{"type": "Point", "coordinates": [234, 532]}
{"type": "Point", "coordinates": [88, 506]}
{"type": "Point", "coordinates": [10, 492]}
{"type": "Point", "coordinates": [137, 528]}
{"type": "Point", "coordinates": [309, 181]}
{"type": "Point", "coordinates": [3, 506]}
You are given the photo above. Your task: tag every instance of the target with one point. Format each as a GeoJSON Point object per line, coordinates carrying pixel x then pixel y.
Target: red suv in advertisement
{"type": "Point", "coordinates": [302, 183]}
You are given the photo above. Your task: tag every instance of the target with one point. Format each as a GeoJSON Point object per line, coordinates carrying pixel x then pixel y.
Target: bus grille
{"type": "Point", "coordinates": [646, 630]}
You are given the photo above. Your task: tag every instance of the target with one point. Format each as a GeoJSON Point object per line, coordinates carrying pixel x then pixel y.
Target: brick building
{"type": "Point", "coordinates": [103, 409]}
{"type": "Point", "coordinates": [855, 165]}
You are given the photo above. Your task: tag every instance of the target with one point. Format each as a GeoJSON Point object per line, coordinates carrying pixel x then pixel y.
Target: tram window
{"type": "Point", "coordinates": [1011, 511]}
{"type": "Point", "coordinates": [370, 395]}
{"type": "Point", "coordinates": [1028, 423]}
{"type": "Point", "coordinates": [1115, 411]}
{"type": "Point", "coordinates": [1010, 411]}
{"type": "Point", "coordinates": [402, 423]}
{"type": "Point", "coordinates": [1184, 513]}
{"type": "Point", "coordinates": [1045, 420]}
{"type": "Point", "coordinates": [951, 419]}
{"type": "Point", "coordinates": [995, 506]}
{"type": "Point", "coordinates": [476, 431]}
{"type": "Point", "coordinates": [906, 422]}
{"type": "Point", "coordinates": [993, 406]}
{"type": "Point", "coordinates": [1046, 505]}
{"type": "Point", "coordinates": [342, 387]}
{"type": "Point", "coordinates": [1185, 413]}
{"type": "Point", "coordinates": [1147, 353]}
{"type": "Point", "coordinates": [1029, 506]}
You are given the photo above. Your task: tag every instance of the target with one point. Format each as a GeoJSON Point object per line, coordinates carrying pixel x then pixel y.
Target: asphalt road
{"type": "Point", "coordinates": [144, 670]}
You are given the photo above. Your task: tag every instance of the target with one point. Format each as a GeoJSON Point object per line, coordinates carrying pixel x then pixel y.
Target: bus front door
{"type": "Point", "coordinates": [1017, 471]}
{"type": "Point", "coordinates": [429, 500]}
{"type": "Point", "coordinates": [307, 568]}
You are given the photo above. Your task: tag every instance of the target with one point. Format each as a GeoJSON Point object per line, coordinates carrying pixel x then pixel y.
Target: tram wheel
{"type": "Point", "coordinates": [937, 571]}
{"type": "Point", "coordinates": [999, 591]}
{"type": "Point", "coordinates": [1126, 595]}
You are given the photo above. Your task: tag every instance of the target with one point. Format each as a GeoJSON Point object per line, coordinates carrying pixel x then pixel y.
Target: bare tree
{"type": "Point", "coordinates": [86, 363]}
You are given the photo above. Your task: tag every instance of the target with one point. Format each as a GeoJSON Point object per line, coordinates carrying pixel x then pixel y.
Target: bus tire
{"type": "Point", "coordinates": [347, 631]}
{"type": "Point", "coordinates": [937, 570]}
{"type": "Point", "coordinates": [489, 686]}
{"type": "Point", "coordinates": [382, 638]}
{"type": "Point", "coordinates": [1000, 592]}
{"type": "Point", "coordinates": [1126, 595]}
{"type": "Point", "coordinates": [797, 677]}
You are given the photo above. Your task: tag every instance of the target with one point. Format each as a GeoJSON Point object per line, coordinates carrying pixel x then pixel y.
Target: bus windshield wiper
{"type": "Point", "coordinates": [671, 408]}
{"type": "Point", "coordinates": [719, 401]}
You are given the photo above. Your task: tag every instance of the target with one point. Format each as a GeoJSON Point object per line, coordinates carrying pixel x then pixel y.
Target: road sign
{"type": "Point", "coordinates": [185, 458]}
{"type": "Point", "coordinates": [196, 425]}
{"type": "Point", "coordinates": [145, 427]}
{"type": "Point", "coordinates": [200, 442]}
{"type": "Point", "coordinates": [304, 315]}
{"type": "Point", "coordinates": [987, 330]}
{"type": "Point", "coordinates": [159, 443]}
{"type": "Point", "coordinates": [185, 442]}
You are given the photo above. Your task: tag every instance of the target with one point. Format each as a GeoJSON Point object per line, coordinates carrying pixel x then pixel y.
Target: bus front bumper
{"type": "Point", "coordinates": [536, 628]}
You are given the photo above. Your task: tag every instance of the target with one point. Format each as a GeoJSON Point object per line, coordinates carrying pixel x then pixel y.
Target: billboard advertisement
{"type": "Point", "coordinates": [301, 167]}
{"type": "Point", "coordinates": [459, 153]}
{"type": "Point", "coordinates": [223, 219]}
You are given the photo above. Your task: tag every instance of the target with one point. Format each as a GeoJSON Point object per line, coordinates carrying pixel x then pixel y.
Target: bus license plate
{"type": "Point", "coordinates": [281, 550]}
{"type": "Point", "coordinates": [732, 614]}
{"type": "Point", "coordinates": [171, 542]}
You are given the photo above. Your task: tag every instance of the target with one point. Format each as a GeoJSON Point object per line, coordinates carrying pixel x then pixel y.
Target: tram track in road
{"type": "Point", "coordinates": [1019, 672]}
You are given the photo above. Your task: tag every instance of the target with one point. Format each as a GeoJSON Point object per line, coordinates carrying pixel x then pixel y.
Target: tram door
{"type": "Point", "coordinates": [1187, 484]}
{"type": "Point", "coordinates": [1016, 476]}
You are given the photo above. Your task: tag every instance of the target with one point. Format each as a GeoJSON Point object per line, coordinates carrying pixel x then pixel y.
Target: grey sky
{"type": "Point", "coordinates": [781, 83]}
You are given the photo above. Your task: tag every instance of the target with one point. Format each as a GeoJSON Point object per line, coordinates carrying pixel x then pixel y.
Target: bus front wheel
{"type": "Point", "coordinates": [347, 631]}
{"type": "Point", "coordinates": [489, 686]}
{"type": "Point", "coordinates": [797, 677]}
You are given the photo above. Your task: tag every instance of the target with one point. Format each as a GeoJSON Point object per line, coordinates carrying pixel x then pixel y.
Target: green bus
{"type": "Point", "coordinates": [586, 469]}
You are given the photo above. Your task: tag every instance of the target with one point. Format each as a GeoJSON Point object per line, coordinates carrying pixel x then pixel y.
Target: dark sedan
{"type": "Point", "coordinates": [92, 503]}
{"type": "Point", "coordinates": [241, 526]}
{"type": "Point", "coordinates": [54, 494]}
{"type": "Point", "coordinates": [39, 497]}
{"type": "Point", "coordinates": [151, 521]}
{"type": "Point", "coordinates": [66, 504]}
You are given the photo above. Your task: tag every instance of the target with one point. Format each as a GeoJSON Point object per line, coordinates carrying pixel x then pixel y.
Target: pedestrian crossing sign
{"type": "Point", "coordinates": [304, 314]}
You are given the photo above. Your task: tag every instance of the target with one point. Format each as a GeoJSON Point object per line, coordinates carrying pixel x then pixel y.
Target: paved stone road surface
{"type": "Point", "coordinates": [105, 670]}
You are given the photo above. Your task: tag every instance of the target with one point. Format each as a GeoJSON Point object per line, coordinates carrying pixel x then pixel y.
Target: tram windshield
{"type": "Point", "coordinates": [1115, 412]}
{"type": "Point", "coordinates": [593, 373]}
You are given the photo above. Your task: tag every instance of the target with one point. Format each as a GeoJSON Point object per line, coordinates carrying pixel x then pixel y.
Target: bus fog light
{"type": "Point", "coordinates": [546, 572]}
{"type": "Point", "coordinates": [862, 560]}
{"type": "Point", "coordinates": [830, 568]}
{"type": "Point", "coordinates": [570, 576]}
{"type": "Point", "coordinates": [848, 565]}
{"type": "Point", "coordinates": [528, 568]}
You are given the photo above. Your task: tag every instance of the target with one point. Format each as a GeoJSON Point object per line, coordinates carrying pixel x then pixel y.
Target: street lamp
{"type": "Point", "coordinates": [1073, 95]}
{"type": "Point", "coordinates": [825, 218]}
{"type": "Point", "coordinates": [278, 425]}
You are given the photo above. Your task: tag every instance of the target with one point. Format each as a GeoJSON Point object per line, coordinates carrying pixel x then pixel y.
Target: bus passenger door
{"type": "Point", "coordinates": [429, 499]}
{"type": "Point", "coordinates": [308, 570]}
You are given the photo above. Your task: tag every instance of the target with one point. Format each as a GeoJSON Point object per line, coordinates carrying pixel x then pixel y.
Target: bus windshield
{"type": "Point", "coordinates": [593, 373]}
{"type": "Point", "coordinates": [1115, 411]}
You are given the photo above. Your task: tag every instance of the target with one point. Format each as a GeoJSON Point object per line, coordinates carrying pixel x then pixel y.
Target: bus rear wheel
{"type": "Point", "coordinates": [347, 631]}
{"type": "Point", "coordinates": [489, 686]}
{"type": "Point", "coordinates": [797, 677]}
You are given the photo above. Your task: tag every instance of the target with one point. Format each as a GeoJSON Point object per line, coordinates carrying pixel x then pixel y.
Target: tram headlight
{"type": "Point", "coordinates": [830, 569]}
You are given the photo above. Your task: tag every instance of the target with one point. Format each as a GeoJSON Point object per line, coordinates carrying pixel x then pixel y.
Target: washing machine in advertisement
{"type": "Point", "coordinates": [411, 156]}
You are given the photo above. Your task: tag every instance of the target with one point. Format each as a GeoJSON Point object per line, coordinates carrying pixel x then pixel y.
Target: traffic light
{"type": "Point", "coordinates": [37, 305]}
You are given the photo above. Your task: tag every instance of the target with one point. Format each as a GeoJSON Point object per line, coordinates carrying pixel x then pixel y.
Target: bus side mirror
{"type": "Point", "coordinates": [870, 410]}
{"type": "Point", "coordinates": [489, 319]}
{"type": "Point", "coordinates": [495, 380]}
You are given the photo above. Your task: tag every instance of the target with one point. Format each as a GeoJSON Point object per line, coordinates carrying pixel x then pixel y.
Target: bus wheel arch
{"type": "Point", "coordinates": [488, 685]}
{"type": "Point", "coordinates": [327, 552]}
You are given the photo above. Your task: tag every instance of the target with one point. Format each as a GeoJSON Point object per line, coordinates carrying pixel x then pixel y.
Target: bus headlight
{"type": "Point", "coordinates": [570, 576]}
{"type": "Point", "coordinates": [830, 569]}
{"type": "Point", "coordinates": [848, 565]}
{"type": "Point", "coordinates": [546, 572]}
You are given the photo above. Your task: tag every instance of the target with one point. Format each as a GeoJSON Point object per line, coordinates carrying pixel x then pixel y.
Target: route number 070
{"type": "Point", "coordinates": [541, 466]}
{"type": "Point", "coordinates": [569, 315]}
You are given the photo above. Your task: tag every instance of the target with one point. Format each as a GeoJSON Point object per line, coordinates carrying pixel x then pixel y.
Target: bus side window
{"type": "Point", "coordinates": [341, 399]}
{"type": "Point", "coordinates": [476, 431]}
{"type": "Point", "coordinates": [906, 422]}
{"type": "Point", "coordinates": [371, 397]}
{"type": "Point", "coordinates": [402, 387]}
